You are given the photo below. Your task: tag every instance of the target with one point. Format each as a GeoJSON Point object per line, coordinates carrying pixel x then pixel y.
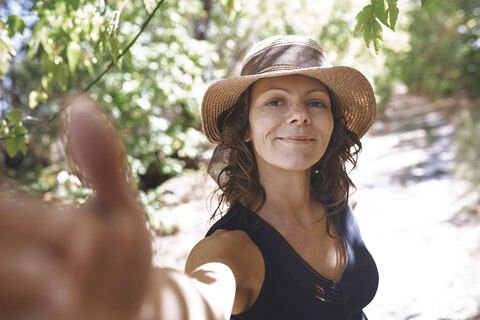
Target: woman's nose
{"type": "Point", "coordinates": [299, 114]}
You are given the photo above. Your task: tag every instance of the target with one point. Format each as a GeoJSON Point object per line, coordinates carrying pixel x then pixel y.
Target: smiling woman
{"type": "Point", "coordinates": [285, 129]}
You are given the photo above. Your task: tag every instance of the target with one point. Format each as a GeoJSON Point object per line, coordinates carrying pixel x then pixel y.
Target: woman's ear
{"type": "Point", "coordinates": [247, 137]}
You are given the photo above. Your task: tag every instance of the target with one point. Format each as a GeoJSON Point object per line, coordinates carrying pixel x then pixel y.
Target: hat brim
{"type": "Point", "coordinates": [352, 91]}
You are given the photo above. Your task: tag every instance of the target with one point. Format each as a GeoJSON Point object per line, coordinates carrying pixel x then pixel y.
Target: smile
{"type": "Point", "coordinates": [296, 139]}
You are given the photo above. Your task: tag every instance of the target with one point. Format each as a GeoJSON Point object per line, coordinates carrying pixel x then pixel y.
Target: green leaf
{"type": "Point", "coordinates": [368, 34]}
{"type": "Point", "coordinates": [35, 97]}
{"type": "Point", "coordinates": [379, 11]}
{"type": "Point", "coordinates": [74, 4]}
{"type": "Point", "coordinates": [231, 7]}
{"type": "Point", "coordinates": [228, 5]}
{"type": "Point", "coordinates": [14, 117]}
{"type": "Point", "coordinates": [47, 84]}
{"type": "Point", "coordinates": [6, 52]}
{"type": "Point", "coordinates": [34, 44]}
{"type": "Point", "coordinates": [11, 147]}
{"type": "Point", "coordinates": [392, 13]}
{"type": "Point", "coordinates": [89, 65]}
{"type": "Point", "coordinates": [363, 17]}
{"type": "Point", "coordinates": [74, 54]}
{"type": "Point", "coordinates": [15, 24]}
{"type": "Point", "coordinates": [368, 24]}
{"type": "Point", "coordinates": [44, 37]}
{"type": "Point", "coordinates": [430, 6]}
{"type": "Point", "coordinates": [16, 141]}
{"type": "Point", "coordinates": [60, 77]}
{"type": "Point", "coordinates": [3, 67]}
{"type": "Point", "coordinates": [373, 33]}
{"type": "Point", "coordinates": [378, 36]}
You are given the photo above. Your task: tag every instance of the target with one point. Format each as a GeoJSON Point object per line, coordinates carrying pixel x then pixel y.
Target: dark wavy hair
{"type": "Point", "coordinates": [238, 181]}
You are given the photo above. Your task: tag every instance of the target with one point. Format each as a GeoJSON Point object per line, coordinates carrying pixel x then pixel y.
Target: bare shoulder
{"type": "Point", "coordinates": [236, 250]}
{"type": "Point", "coordinates": [229, 247]}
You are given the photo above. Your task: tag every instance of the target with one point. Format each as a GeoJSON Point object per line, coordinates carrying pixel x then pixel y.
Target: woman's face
{"type": "Point", "coordinates": [291, 121]}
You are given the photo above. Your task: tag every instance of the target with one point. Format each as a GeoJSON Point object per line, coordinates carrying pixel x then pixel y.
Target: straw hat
{"type": "Point", "coordinates": [285, 55]}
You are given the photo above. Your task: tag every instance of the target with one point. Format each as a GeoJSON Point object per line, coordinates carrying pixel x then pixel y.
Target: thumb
{"type": "Point", "coordinates": [96, 150]}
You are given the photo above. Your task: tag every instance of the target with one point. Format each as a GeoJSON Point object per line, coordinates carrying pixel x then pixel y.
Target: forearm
{"type": "Point", "coordinates": [207, 294]}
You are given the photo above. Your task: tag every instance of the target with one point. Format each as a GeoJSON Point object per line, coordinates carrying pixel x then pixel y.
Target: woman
{"type": "Point", "coordinates": [284, 130]}
{"type": "Point", "coordinates": [288, 246]}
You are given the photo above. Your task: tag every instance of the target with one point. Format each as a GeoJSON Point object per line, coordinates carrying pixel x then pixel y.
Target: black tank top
{"type": "Point", "coordinates": [294, 290]}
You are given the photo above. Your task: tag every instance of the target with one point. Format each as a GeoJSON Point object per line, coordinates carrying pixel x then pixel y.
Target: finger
{"type": "Point", "coordinates": [96, 149]}
{"type": "Point", "coordinates": [114, 251]}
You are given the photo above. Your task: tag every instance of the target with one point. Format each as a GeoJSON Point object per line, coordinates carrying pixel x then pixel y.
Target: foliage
{"type": "Point", "coordinates": [370, 17]}
{"type": "Point", "coordinates": [73, 43]}
{"type": "Point", "coordinates": [11, 129]}
{"type": "Point", "coordinates": [15, 133]}
{"type": "Point", "coordinates": [153, 90]}
{"type": "Point", "coordinates": [378, 12]}
{"type": "Point", "coordinates": [442, 56]}
{"type": "Point", "coordinates": [431, 6]}
{"type": "Point", "coordinates": [8, 29]}
{"type": "Point", "coordinates": [72, 40]}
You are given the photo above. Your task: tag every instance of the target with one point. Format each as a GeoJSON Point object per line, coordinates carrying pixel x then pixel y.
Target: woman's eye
{"type": "Point", "coordinates": [273, 103]}
{"type": "Point", "coordinates": [316, 104]}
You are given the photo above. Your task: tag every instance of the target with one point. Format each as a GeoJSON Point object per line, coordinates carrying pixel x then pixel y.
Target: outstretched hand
{"type": "Point", "coordinates": [91, 262]}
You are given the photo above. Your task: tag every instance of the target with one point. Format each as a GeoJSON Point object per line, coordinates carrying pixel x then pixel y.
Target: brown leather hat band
{"type": "Point", "coordinates": [288, 56]}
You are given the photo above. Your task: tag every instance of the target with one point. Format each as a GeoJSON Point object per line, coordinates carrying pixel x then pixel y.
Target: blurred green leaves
{"type": "Point", "coordinates": [15, 141]}
{"type": "Point", "coordinates": [370, 17]}
{"type": "Point", "coordinates": [14, 24]}
{"type": "Point", "coordinates": [69, 40]}
{"type": "Point", "coordinates": [11, 129]}
{"type": "Point", "coordinates": [153, 93]}
{"type": "Point", "coordinates": [430, 6]}
{"type": "Point", "coordinates": [6, 51]}
{"type": "Point", "coordinates": [74, 54]}
{"type": "Point", "coordinates": [8, 29]}
{"type": "Point", "coordinates": [443, 55]}
{"type": "Point", "coordinates": [14, 133]}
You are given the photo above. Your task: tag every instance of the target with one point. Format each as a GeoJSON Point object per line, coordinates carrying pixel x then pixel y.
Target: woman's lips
{"type": "Point", "coordinates": [296, 139]}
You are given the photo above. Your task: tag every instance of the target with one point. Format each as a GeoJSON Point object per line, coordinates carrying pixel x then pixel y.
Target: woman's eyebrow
{"type": "Point", "coordinates": [288, 90]}
{"type": "Point", "coordinates": [322, 90]}
{"type": "Point", "coordinates": [276, 88]}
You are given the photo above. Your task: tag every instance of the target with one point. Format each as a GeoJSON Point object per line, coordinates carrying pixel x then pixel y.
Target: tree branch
{"type": "Point", "coordinates": [100, 76]}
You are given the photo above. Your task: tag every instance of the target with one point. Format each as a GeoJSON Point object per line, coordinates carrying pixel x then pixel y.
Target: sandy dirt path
{"type": "Point", "coordinates": [413, 216]}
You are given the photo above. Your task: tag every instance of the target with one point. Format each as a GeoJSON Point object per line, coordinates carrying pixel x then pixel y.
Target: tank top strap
{"type": "Point", "coordinates": [241, 218]}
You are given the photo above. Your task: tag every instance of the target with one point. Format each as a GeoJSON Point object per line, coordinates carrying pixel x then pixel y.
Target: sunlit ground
{"type": "Point", "coordinates": [412, 212]}
{"type": "Point", "coordinates": [415, 218]}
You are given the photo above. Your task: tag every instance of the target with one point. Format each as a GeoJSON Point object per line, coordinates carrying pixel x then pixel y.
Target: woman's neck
{"type": "Point", "coordinates": [288, 197]}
